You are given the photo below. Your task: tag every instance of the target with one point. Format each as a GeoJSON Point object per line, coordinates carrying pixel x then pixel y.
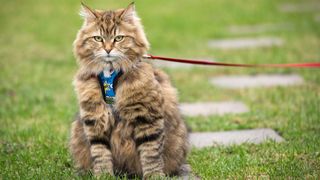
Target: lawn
{"type": "Point", "coordinates": [38, 103]}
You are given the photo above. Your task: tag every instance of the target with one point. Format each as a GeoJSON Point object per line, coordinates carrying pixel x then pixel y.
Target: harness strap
{"type": "Point", "coordinates": [108, 85]}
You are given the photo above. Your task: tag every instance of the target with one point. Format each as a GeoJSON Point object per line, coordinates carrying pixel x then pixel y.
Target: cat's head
{"type": "Point", "coordinates": [107, 38]}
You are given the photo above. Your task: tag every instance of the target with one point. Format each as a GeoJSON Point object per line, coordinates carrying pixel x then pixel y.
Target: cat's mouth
{"type": "Point", "coordinates": [110, 58]}
{"type": "Point", "coordinates": [106, 57]}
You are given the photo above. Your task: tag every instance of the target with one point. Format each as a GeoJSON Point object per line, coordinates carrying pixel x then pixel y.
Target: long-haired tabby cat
{"type": "Point", "coordinates": [141, 133]}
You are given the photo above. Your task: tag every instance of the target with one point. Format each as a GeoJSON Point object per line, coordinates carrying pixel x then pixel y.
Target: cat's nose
{"type": "Point", "coordinates": [108, 50]}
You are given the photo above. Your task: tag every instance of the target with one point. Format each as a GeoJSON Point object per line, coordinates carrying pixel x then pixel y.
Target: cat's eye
{"type": "Point", "coordinates": [98, 38]}
{"type": "Point", "coordinates": [118, 38]}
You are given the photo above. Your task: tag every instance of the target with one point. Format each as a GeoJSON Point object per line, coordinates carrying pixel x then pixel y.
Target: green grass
{"type": "Point", "coordinates": [37, 99]}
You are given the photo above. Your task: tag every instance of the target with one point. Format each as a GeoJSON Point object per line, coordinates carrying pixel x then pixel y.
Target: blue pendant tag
{"type": "Point", "coordinates": [107, 86]}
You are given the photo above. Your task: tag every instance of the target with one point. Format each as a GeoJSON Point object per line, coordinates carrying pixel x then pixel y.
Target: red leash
{"type": "Point", "coordinates": [203, 62]}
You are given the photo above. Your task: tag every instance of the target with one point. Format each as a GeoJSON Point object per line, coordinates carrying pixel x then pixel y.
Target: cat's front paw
{"type": "Point", "coordinates": [101, 170]}
{"type": "Point", "coordinates": [154, 176]}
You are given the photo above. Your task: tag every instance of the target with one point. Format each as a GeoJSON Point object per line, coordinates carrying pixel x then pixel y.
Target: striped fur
{"type": "Point", "coordinates": [142, 133]}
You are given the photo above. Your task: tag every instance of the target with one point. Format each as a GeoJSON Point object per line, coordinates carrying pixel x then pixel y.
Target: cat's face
{"type": "Point", "coordinates": [109, 38]}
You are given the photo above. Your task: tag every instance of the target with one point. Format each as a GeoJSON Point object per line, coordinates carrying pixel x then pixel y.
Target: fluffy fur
{"type": "Point", "coordinates": [142, 133]}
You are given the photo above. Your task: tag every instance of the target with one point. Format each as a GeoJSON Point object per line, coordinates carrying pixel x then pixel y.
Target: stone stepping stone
{"type": "Point", "coordinates": [227, 138]}
{"type": "Point", "coordinates": [213, 108]}
{"type": "Point", "coordinates": [262, 80]}
{"type": "Point", "coordinates": [259, 28]}
{"type": "Point", "coordinates": [300, 7]}
{"type": "Point", "coordinates": [175, 65]}
{"type": "Point", "coordinates": [317, 18]}
{"type": "Point", "coordinates": [245, 43]}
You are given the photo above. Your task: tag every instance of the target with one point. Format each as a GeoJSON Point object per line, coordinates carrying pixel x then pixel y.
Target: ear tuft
{"type": "Point", "coordinates": [129, 14]}
{"type": "Point", "coordinates": [87, 13]}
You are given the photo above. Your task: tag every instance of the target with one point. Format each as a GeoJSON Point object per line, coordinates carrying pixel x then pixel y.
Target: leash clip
{"type": "Point", "coordinates": [147, 56]}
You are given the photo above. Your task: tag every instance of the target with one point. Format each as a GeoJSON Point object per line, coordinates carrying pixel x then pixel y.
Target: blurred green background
{"type": "Point", "coordinates": [37, 102]}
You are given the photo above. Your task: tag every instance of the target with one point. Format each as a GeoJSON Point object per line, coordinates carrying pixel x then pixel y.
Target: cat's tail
{"type": "Point", "coordinates": [185, 173]}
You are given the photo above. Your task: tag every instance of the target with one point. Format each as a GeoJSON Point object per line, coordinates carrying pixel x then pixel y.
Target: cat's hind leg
{"type": "Point", "coordinates": [79, 146]}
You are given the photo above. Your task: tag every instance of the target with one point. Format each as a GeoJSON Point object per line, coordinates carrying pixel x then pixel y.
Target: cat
{"type": "Point", "coordinates": [142, 132]}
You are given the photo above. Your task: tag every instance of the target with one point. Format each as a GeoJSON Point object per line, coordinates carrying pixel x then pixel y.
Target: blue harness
{"type": "Point", "coordinates": [107, 84]}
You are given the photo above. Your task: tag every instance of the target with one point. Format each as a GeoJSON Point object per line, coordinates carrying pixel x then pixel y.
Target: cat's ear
{"type": "Point", "coordinates": [87, 13]}
{"type": "Point", "coordinates": [129, 14]}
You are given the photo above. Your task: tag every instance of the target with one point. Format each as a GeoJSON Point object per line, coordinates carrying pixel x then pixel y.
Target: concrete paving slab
{"type": "Point", "coordinates": [259, 28]}
{"type": "Point", "coordinates": [213, 108]}
{"type": "Point", "coordinates": [310, 6]}
{"type": "Point", "coordinates": [227, 138]}
{"type": "Point", "coordinates": [262, 80]}
{"type": "Point", "coordinates": [245, 43]}
{"type": "Point", "coordinates": [317, 18]}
